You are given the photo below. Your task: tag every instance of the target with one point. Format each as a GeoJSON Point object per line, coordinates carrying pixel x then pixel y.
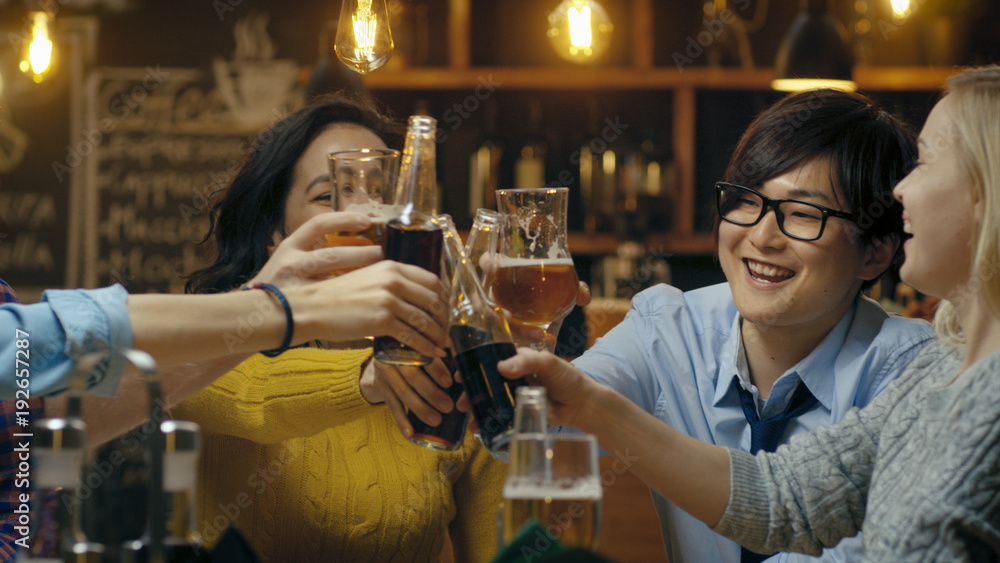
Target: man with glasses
{"type": "Point", "coordinates": [806, 222]}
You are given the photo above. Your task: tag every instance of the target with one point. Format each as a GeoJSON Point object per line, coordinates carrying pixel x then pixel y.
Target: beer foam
{"type": "Point", "coordinates": [580, 489]}
{"type": "Point", "coordinates": [373, 209]}
{"type": "Point", "coordinates": [508, 262]}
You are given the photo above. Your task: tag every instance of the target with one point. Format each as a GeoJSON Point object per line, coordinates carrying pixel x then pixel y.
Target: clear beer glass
{"type": "Point", "coordinates": [536, 280]}
{"type": "Point", "coordinates": [553, 479]}
{"type": "Point", "coordinates": [363, 181]}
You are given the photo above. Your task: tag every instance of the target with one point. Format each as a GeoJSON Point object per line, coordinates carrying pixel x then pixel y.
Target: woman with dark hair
{"type": "Point", "coordinates": [300, 452]}
{"type": "Point", "coordinates": [918, 469]}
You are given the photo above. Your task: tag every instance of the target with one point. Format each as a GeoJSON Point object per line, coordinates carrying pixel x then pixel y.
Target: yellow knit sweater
{"type": "Point", "coordinates": [310, 471]}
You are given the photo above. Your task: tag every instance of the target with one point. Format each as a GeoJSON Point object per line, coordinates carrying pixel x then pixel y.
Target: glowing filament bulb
{"type": "Point", "coordinates": [365, 26]}
{"type": "Point", "coordinates": [364, 41]}
{"type": "Point", "coordinates": [579, 27]}
{"type": "Point", "coordinates": [900, 8]}
{"type": "Point", "coordinates": [40, 49]}
{"type": "Point", "coordinates": [579, 30]}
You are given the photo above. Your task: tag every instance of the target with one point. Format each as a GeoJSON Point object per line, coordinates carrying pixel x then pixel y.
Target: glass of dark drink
{"type": "Point", "coordinates": [535, 280]}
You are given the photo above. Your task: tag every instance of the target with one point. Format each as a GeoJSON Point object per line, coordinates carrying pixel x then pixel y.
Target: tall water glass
{"type": "Point", "coordinates": [554, 479]}
{"type": "Point", "coordinates": [536, 280]}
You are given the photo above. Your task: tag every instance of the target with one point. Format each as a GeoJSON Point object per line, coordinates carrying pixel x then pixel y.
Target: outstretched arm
{"type": "Point", "coordinates": [690, 473]}
{"type": "Point", "coordinates": [213, 333]}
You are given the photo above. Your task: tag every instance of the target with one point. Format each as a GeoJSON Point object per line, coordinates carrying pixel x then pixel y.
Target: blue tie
{"type": "Point", "coordinates": [765, 434]}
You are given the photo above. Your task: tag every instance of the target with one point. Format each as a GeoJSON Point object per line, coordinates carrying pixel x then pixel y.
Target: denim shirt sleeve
{"type": "Point", "coordinates": [56, 332]}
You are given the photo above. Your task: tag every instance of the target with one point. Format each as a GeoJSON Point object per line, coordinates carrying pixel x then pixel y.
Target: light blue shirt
{"type": "Point", "coordinates": [52, 335]}
{"type": "Point", "coordinates": [678, 356]}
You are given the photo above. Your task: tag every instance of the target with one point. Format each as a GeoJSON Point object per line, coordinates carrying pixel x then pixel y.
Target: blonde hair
{"type": "Point", "coordinates": [974, 106]}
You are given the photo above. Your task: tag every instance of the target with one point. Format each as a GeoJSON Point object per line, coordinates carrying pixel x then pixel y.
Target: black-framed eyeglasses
{"type": "Point", "coordinates": [799, 220]}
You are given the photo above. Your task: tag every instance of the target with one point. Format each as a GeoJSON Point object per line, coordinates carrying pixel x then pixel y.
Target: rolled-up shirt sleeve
{"type": "Point", "coordinates": [66, 325]}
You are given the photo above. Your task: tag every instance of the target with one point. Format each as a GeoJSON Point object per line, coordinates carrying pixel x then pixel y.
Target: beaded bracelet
{"type": "Point", "coordinates": [289, 321]}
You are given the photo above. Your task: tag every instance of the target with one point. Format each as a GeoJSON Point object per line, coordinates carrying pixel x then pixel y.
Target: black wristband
{"type": "Point", "coordinates": [289, 321]}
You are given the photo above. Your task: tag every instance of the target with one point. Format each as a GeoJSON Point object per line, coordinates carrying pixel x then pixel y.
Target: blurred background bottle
{"type": "Point", "coordinates": [484, 164]}
{"type": "Point", "coordinates": [529, 168]}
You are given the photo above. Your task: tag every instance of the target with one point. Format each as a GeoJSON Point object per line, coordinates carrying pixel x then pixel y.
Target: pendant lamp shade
{"type": "Point", "coordinates": [814, 54]}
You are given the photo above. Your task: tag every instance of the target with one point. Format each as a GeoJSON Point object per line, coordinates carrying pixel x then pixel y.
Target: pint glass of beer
{"type": "Point", "coordinates": [536, 280]}
{"type": "Point", "coordinates": [364, 181]}
{"type": "Point", "coordinates": [554, 479]}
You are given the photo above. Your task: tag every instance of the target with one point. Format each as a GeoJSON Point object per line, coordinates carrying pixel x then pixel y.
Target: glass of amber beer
{"type": "Point", "coordinates": [536, 280]}
{"type": "Point", "coordinates": [363, 180]}
{"type": "Point", "coordinates": [554, 479]}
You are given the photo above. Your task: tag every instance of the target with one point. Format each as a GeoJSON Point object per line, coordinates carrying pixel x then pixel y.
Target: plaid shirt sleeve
{"type": "Point", "coordinates": [15, 416]}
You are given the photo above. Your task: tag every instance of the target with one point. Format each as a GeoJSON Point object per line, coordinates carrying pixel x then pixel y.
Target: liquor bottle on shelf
{"type": "Point", "coordinates": [58, 448]}
{"type": "Point", "coordinates": [484, 165]}
{"type": "Point", "coordinates": [597, 170]}
{"type": "Point", "coordinates": [183, 543]}
{"type": "Point", "coordinates": [413, 237]}
{"type": "Point", "coordinates": [480, 339]}
{"type": "Point", "coordinates": [529, 168]}
{"type": "Point", "coordinates": [448, 434]}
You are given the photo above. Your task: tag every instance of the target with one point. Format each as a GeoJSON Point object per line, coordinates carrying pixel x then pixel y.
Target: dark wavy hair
{"type": "Point", "coordinates": [253, 206]}
{"type": "Point", "coordinates": [868, 149]}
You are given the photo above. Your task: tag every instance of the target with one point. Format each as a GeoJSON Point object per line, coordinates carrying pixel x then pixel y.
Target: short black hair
{"type": "Point", "coordinates": [868, 149]}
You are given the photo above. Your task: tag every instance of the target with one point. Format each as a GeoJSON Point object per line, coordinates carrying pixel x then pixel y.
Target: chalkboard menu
{"type": "Point", "coordinates": [156, 143]}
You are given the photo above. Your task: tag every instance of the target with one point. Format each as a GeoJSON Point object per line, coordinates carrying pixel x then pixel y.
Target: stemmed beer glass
{"type": "Point", "coordinates": [536, 280]}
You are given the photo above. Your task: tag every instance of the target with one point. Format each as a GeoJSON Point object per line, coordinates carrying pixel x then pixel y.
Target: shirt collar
{"type": "Point", "coordinates": [815, 370]}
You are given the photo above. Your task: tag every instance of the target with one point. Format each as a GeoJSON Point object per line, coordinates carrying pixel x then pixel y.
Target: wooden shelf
{"type": "Point", "coordinates": [591, 78]}
{"type": "Point", "coordinates": [684, 85]}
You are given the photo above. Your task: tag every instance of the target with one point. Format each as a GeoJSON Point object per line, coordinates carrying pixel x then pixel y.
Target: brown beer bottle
{"type": "Point", "coordinates": [481, 338]}
{"type": "Point", "coordinates": [413, 237]}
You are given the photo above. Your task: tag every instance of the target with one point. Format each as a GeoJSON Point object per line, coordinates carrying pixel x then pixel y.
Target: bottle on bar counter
{"type": "Point", "coordinates": [481, 338]}
{"type": "Point", "coordinates": [58, 448]}
{"type": "Point", "coordinates": [183, 543]}
{"type": "Point", "coordinates": [413, 237]}
{"type": "Point", "coordinates": [448, 435]}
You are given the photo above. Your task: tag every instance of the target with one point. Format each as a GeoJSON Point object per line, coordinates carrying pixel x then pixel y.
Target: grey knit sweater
{"type": "Point", "coordinates": [918, 469]}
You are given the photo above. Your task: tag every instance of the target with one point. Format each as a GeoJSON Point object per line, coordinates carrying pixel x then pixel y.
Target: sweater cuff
{"type": "Point", "coordinates": [746, 518]}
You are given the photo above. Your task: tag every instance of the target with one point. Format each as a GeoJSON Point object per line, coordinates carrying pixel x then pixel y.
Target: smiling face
{"type": "Point", "coordinates": [778, 281]}
{"type": "Point", "coordinates": [309, 194]}
{"type": "Point", "coordinates": [938, 211]}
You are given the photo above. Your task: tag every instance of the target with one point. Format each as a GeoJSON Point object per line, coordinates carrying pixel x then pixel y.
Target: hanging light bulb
{"type": "Point", "coordinates": [900, 9]}
{"type": "Point", "coordinates": [38, 56]}
{"type": "Point", "coordinates": [580, 30]}
{"type": "Point", "coordinates": [364, 41]}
